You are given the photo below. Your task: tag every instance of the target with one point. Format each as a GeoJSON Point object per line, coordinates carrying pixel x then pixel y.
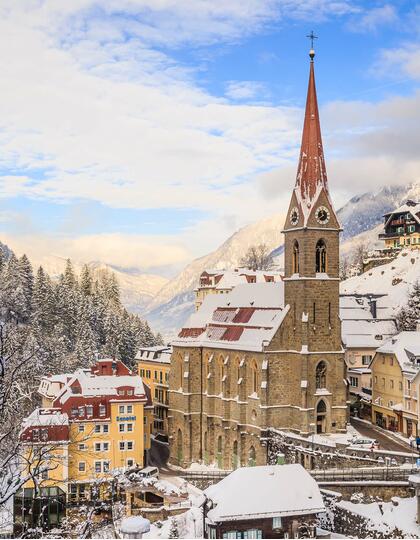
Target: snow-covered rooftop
{"type": "Point", "coordinates": [92, 385]}
{"type": "Point", "coordinates": [243, 319]}
{"type": "Point", "coordinates": [406, 348]}
{"type": "Point", "coordinates": [392, 280]}
{"type": "Point", "coordinates": [264, 492]}
{"type": "Point", "coordinates": [409, 207]}
{"type": "Point", "coordinates": [368, 334]}
{"type": "Point", "coordinates": [46, 417]}
{"type": "Point", "coordinates": [160, 354]}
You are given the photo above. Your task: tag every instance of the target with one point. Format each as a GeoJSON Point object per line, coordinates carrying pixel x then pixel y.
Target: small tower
{"type": "Point", "coordinates": [312, 277]}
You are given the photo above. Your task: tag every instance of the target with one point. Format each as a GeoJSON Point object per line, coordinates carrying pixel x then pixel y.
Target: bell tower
{"type": "Point", "coordinates": [311, 282]}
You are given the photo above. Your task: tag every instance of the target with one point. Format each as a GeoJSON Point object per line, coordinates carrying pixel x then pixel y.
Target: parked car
{"type": "Point", "coordinates": [149, 472]}
{"type": "Point", "coordinates": [365, 442]}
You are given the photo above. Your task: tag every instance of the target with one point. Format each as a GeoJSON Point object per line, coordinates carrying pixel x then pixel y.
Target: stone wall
{"type": "Point", "coordinates": [350, 524]}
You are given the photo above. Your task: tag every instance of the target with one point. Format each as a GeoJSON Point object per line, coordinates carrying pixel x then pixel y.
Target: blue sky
{"type": "Point", "coordinates": [143, 133]}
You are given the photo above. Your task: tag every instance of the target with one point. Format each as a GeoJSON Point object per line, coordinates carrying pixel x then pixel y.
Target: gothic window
{"type": "Point", "coordinates": [320, 257]}
{"type": "Point", "coordinates": [254, 378]}
{"type": "Point", "coordinates": [234, 377]}
{"type": "Point", "coordinates": [179, 447]}
{"type": "Point", "coordinates": [321, 375]}
{"type": "Point", "coordinates": [295, 269]}
{"type": "Point", "coordinates": [321, 407]}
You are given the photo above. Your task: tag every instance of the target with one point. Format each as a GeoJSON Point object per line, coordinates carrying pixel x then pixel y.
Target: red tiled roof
{"type": "Point", "coordinates": [190, 332]}
{"type": "Point", "coordinates": [243, 315]}
{"type": "Point", "coordinates": [233, 333]}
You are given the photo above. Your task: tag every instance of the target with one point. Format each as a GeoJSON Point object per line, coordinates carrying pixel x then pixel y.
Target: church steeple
{"type": "Point", "coordinates": [311, 174]}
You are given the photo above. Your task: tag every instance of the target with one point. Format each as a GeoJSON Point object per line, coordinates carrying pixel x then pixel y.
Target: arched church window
{"type": "Point", "coordinates": [320, 257]}
{"type": "Point", "coordinates": [321, 375]}
{"type": "Point", "coordinates": [295, 269]}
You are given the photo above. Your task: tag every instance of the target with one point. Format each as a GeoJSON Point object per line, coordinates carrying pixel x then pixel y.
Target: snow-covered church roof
{"type": "Point", "coordinates": [242, 320]}
{"type": "Point", "coordinates": [264, 492]}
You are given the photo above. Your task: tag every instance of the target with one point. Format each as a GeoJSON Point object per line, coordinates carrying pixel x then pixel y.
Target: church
{"type": "Point", "coordinates": [268, 354]}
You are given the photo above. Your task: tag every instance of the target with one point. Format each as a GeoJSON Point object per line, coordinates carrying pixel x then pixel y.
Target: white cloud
{"type": "Point", "coordinates": [128, 251]}
{"type": "Point", "coordinates": [403, 60]}
{"type": "Point", "coordinates": [245, 90]}
{"type": "Point", "coordinates": [371, 19]}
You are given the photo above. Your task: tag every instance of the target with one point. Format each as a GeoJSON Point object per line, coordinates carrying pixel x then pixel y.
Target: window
{"type": "Point", "coordinates": [253, 533]}
{"type": "Point", "coordinates": [82, 466]}
{"type": "Point", "coordinates": [74, 411]}
{"type": "Point", "coordinates": [390, 403]}
{"type": "Point", "coordinates": [375, 379]}
{"type": "Point", "coordinates": [44, 475]}
{"type": "Point", "coordinates": [366, 359]}
{"type": "Point", "coordinates": [142, 373]}
{"type": "Point", "coordinates": [391, 383]}
{"type": "Point", "coordinates": [353, 381]}
{"type": "Point", "coordinates": [156, 376]}
{"type": "Point", "coordinates": [295, 266]}
{"type": "Point", "coordinates": [102, 410]}
{"type": "Point", "coordinates": [400, 385]}
{"type": "Point", "coordinates": [121, 392]}
{"type": "Point", "coordinates": [129, 427]}
{"type": "Point", "coordinates": [230, 534]}
{"type": "Point", "coordinates": [121, 428]}
{"type": "Point", "coordinates": [383, 382]}
{"type": "Point", "coordinates": [129, 392]}
{"type": "Point", "coordinates": [147, 373]}
{"type": "Point", "coordinates": [81, 411]}
{"type": "Point", "coordinates": [89, 410]}
{"type": "Point", "coordinates": [97, 447]}
{"type": "Point", "coordinates": [130, 462]}
{"type": "Point", "coordinates": [106, 466]}
{"type": "Point", "coordinates": [121, 409]}
{"type": "Point", "coordinates": [81, 428]}
{"type": "Point", "coordinates": [321, 375]}
{"type": "Point", "coordinates": [97, 428]}
{"type": "Point", "coordinates": [129, 409]}
{"type": "Point", "coordinates": [129, 445]}
{"type": "Point", "coordinates": [98, 466]}
{"type": "Point", "coordinates": [276, 522]}
{"type": "Point", "coordinates": [105, 428]}
{"type": "Point", "coordinates": [82, 447]}
{"type": "Point", "coordinates": [320, 257]}
{"type": "Point", "coordinates": [105, 446]}
{"type": "Point", "coordinates": [391, 361]}
{"type": "Point", "coordinates": [35, 434]}
{"type": "Point", "coordinates": [121, 446]}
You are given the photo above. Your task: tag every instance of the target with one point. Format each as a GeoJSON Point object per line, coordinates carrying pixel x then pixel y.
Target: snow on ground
{"type": "Point", "coordinates": [385, 516]}
{"type": "Point", "coordinates": [393, 279]}
{"type": "Point", "coordinates": [189, 525]}
{"type": "Point", "coordinates": [331, 439]}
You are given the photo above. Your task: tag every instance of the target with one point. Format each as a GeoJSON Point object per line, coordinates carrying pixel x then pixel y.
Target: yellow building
{"type": "Point", "coordinates": [394, 398]}
{"type": "Point", "coordinates": [153, 365]}
{"type": "Point", "coordinates": [101, 419]}
{"type": "Point", "coordinates": [402, 227]}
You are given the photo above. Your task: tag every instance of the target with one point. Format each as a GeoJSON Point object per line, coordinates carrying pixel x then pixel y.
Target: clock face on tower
{"type": "Point", "coordinates": [294, 216]}
{"type": "Point", "coordinates": [322, 215]}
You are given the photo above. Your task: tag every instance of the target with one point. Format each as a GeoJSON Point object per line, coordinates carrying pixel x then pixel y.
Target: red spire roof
{"type": "Point", "coordinates": [311, 174]}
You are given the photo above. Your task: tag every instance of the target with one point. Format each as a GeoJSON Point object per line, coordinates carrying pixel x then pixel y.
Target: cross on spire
{"type": "Point", "coordinates": [312, 36]}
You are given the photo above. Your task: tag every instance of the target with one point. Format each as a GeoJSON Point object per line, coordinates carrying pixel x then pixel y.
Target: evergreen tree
{"type": "Point", "coordinates": [409, 316]}
{"type": "Point", "coordinates": [26, 279]}
{"type": "Point", "coordinates": [43, 303]}
{"type": "Point", "coordinates": [174, 532]}
{"type": "Point", "coordinates": [86, 281]}
{"type": "Point", "coordinates": [12, 297]}
{"type": "Point", "coordinates": [86, 346]}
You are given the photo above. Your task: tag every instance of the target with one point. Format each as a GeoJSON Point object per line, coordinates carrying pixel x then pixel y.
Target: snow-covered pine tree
{"type": "Point", "coordinates": [86, 281]}
{"type": "Point", "coordinates": [173, 531]}
{"type": "Point", "coordinates": [409, 316]}
{"type": "Point", "coordinates": [26, 278]}
{"type": "Point", "coordinates": [68, 298]}
{"type": "Point", "coordinates": [12, 298]}
{"type": "Point", "coordinates": [86, 344]}
{"type": "Point", "coordinates": [44, 307]}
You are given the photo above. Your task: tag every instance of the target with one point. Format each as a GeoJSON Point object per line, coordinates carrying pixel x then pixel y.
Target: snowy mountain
{"type": "Point", "coordinates": [137, 289]}
{"type": "Point", "coordinates": [361, 219]}
{"type": "Point", "coordinates": [364, 212]}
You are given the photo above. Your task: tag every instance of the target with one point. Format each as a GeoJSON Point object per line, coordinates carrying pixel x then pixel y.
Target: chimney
{"type": "Point", "coordinates": [114, 367]}
{"type": "Point", "coordinates": [373, 307]}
